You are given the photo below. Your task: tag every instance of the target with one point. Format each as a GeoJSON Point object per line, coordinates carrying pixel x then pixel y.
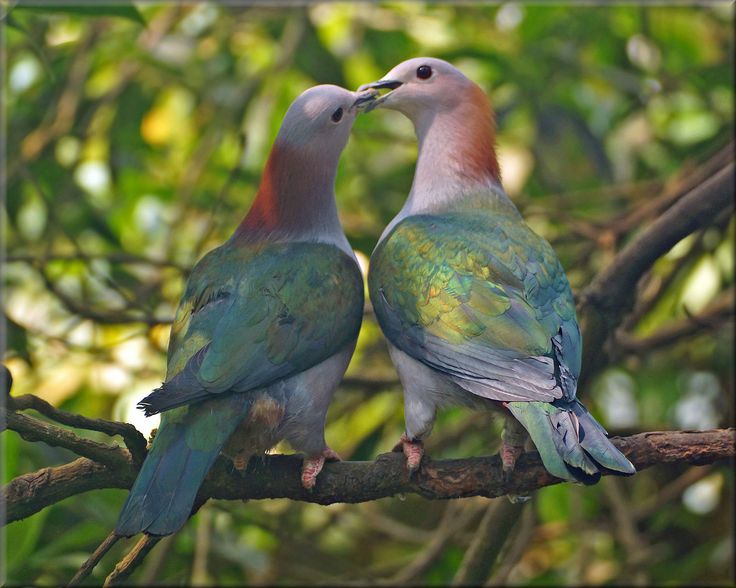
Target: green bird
{"type": "Point", "coordinates": [476, 307]}
{"type": "Point", "coordinates": [266, 326]}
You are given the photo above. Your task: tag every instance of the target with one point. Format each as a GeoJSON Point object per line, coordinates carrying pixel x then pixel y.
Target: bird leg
{"type": "Point", "coordinates": [413, 450]}
{"type": "Point", "coordinates": [312, 466]}
{"type": "Point", "coordinates": [513, 438]}
{"type": "Point", "coordinates": [240, 462]}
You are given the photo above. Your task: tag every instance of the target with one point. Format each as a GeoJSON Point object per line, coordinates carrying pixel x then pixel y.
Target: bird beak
{"type": "Point", "coordinates": [364, 99]}
{"type": "Point", "coordinates": [379, 85]}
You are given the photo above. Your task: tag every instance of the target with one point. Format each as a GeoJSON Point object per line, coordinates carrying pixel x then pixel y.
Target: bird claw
{"type": "Point", "coordinates": [509, 454]}
{"type": "Point", "coordinates": [518, 498]}
{"type": "Point", "coordinates": [312, 466]}
{"type": "Point", "coordinates": [413, 450]}
{"type": "Point", "coordinates": [240, 462]}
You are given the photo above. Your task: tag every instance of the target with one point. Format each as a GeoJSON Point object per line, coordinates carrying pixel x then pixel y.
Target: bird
{"type": "Point", "coordinates": [266, 326]}
{"type": "Point", "coordinates": [476, 307]}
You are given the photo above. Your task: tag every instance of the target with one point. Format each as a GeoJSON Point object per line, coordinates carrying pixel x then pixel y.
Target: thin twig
{"type": "Point", "coordinates": [131, 561]}
{"type": "Point", "coordinates": [674, 489]}
{"type": "Point", "coordinates": [89, 565]}
{"type": "Point", "coordinates": [134, 440]}
{"type": "Point", "coordinates": [33, 429]}
{"type": "Point", "coordinates": [637, 551]}
{"type": "Point", "coordinates": [453, 520]}
{"type": "Point", "coordinates": [512, 556]}
{"type": "Point", "coordinates": [494, 529]}
{"type": "Point", "coordinates": [715, 316]}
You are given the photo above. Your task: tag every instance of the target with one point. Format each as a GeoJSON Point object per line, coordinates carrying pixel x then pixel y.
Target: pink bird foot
{"type": "Point", "coordinates": [413, 450]}
{"type": "Point", "coordinates": [240, 462]}
{"type": "Point", "coordinates": [513, 438]}
{"type": "Point", "coordinates": [509, 454]}
{"type": "Point", "coordinates": [312, 466]}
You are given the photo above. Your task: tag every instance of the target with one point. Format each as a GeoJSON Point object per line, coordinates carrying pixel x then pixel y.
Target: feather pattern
{"type": "Point", "coordinates": [263, 321]}
{"type": "Point", "coordinates": [265, 329]}
{"type": "Point", "coordinates": [472, 293]}
{"type": "Point", "coordinates": [482, 298]}
{"type": "Point", "coordinates": [187, 443]}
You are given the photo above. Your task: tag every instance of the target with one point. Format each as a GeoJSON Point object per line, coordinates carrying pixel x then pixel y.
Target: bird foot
{"type": "Point", "coordinates": [412, 449]}
{"type": "Point", "coordinates": [240, 462]}
{"type": "Point", "coordinates": [518, 498]}
{"type": "Point", "coordinates": [509, 455]}
{"type": "Point", "coordinates": [312, 466]}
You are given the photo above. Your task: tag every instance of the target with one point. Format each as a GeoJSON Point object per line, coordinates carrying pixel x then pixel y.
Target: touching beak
{"type": "Point", "coordinates": [379, 85]}
{"type": "Point", "coordinates": [364, 99]}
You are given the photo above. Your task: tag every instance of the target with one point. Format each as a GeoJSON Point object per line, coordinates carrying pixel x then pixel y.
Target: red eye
{"type": "Point", "coordinates": [424, 72]}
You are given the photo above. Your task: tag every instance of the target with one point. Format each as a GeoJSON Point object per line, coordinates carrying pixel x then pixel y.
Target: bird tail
{"type": "Point", "coordinates": [186, 445]}
{"type": "Point", "coordinates": [572, 444]}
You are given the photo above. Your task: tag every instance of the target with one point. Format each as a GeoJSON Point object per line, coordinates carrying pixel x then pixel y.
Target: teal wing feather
{"type": "Point", "coordinates": [481, 297]}
{"type": "Point", "coordinates": [186, 445]}
{"type": "Point", "coordinates": [253, 315]}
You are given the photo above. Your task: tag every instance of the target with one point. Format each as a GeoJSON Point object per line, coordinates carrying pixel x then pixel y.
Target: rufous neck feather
{"type": "Point", "coordinates": [457, 151]}
{"type": "Point", "coordinates": [478, 149]}
{"type": "Point", "coordinates": [296, 195]}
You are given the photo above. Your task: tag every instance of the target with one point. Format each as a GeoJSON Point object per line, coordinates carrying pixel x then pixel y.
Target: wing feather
{"type": "Point", "coordinates": [481, 298]}
{"type": "Point", "coordinates": [251, 316]}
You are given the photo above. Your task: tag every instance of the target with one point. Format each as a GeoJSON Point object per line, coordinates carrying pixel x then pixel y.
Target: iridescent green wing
{"type": "Point", "coordinates": [254, 315]}
{"type": "Point", "coordinates": [481, 298]}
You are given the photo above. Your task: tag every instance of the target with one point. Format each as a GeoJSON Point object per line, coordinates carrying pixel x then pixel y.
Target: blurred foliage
{"type": "Point", "coordinates": [135, 140]}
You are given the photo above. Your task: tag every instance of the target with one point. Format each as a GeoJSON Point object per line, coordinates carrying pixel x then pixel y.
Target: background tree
{"type": "Point", "coordinates": [135, 142]}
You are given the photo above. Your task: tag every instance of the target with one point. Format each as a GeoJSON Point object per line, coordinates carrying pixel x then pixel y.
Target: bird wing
{"type": "Point", "coordinates": [253, 315]}
{"type": "Point", "coordinates": [481, 298]}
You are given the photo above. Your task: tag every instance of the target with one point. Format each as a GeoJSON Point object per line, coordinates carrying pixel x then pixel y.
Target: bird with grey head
{"type": "Point", "coordinates": [476, 306]}
{"type": "Point", "coordinates": [266, 326]}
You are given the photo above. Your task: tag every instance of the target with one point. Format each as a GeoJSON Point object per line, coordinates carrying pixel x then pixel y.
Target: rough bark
{"type": "Point", "coordinates": [278, 476]}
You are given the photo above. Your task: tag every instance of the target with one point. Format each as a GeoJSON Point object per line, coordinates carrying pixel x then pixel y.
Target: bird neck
{"type": "Point", "coordinates": [296, 198]}
{"type": "Point", "coordinates": [457, 154]}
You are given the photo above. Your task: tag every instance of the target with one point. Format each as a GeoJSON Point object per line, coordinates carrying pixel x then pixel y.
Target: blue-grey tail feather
{"type": "Point", "coordinates": [594, 440]}
{"type": "Point", "coordinates": [184, 449]}
{"type": "Point", "coordinates": [572, 444]}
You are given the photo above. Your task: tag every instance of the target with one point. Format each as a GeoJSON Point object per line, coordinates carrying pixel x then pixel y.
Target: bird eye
{"type": "Point", "coordinates": [337, 115]}
{"type": "Point", "coordinates": [424, 72]}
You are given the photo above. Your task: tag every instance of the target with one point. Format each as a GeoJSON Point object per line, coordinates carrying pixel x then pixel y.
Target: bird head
{"type": "Point", "coordinates": [437, 97]}
{"type": "Point", "coordinates": [320, 119]}
{"type": "Point", "coordinates": [423, 85]}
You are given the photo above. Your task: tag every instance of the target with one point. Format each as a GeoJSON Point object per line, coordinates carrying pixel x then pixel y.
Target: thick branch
{"type": "Point", "coordinates": [278, 476]}
{"type": "Point", "coordinates": [613, 286]}
{"type": "Point", "coordinates": [30, 493]}
{"type": "Point", "coordinates": [611, 294]}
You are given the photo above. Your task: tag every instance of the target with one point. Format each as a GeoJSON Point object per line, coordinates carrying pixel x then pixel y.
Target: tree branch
{"type": "Point", "coordinates": [130, 562]}
{"type": "Point", "coordinates": [715, 316]}
{"type": "Point", "coordinates": [30, 493]}
{"type": "Point", "coordinates": [32, 429]}
{"type": "Point", "coordinates": [133, 439]}
{"type": "Point", "coordinates": [611, 294]}
{"type": "Point", "coordinates": [489, 538]}
{"type": "Point", "coordinates": [278, 476]}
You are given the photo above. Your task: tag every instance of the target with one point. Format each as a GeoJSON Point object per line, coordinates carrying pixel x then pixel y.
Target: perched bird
{"type": "Point", "coordinates": [475, 305]}
{"type": "Point", "coordinates": [266, 326]}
